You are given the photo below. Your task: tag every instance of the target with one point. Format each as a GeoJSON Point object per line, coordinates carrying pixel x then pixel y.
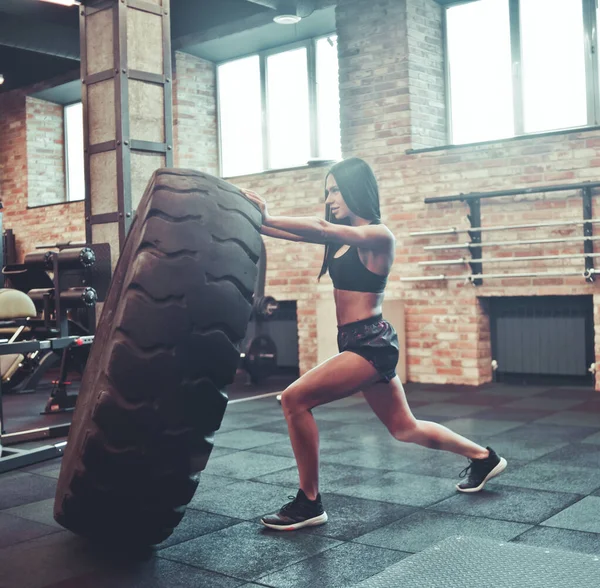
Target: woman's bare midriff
{"type": "Point", "coordinates": [356, 306]}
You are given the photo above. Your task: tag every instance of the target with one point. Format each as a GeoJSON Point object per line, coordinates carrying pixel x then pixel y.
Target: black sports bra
{"type": "Point", "coordinates": [348, 272]}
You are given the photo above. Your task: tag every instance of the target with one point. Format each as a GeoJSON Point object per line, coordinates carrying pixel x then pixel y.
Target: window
{"type": "Point", "coordinates": [75, 180]}
{"type": "Point", "coordinates": [521, 66]}
{"type": "Point", "coordinates": [328, 98]}
{"type": "Point", "coordinates": [553, 64]}
{"type": "Point", "coordinates": [240, 117]}
{"type": "Point", "coordinates": [287, 108]}
{"type": "Point", "coordinates": [279, 109]}
{"type": "Point", "coordinates": [480, 71]}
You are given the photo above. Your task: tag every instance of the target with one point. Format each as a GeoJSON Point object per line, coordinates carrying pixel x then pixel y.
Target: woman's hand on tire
{"type": "Point", "coordinates": [259, 201]}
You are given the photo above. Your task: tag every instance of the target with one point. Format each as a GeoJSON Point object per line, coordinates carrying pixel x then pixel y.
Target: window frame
{"type": "Point", "coordinates": [311, 56]}
{"type": "Point", "coordinates": [590, 38]}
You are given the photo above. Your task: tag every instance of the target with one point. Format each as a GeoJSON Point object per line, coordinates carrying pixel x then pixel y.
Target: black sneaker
{"type": "Point", "coordinates": [479, 471]}
{"type": "Point", "coordinates": [301, 512]}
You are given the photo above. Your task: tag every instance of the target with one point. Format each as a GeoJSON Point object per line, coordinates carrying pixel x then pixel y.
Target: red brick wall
{"type": "Point", "coordinates": [30, 163]}
{"type": "Point", "coordinates": [45, 153]}
{"type": "Point", "coordinates": [448, 335]}
{"type": "Point", "coordinates": [426, 73]}
{"type": "Point", "coordinates": [448, 330]}
{"type": "Point", "coordinates": [195, 113]}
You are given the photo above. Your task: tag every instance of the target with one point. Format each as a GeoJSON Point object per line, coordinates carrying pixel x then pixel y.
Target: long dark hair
{"type": "Point", "coordinates": [358, 186]}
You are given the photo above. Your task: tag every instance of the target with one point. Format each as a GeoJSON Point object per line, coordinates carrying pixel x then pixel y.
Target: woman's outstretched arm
{"type": "Point", "coordinates": [318, 230]}
{"type": "Point", "coordinates": [279, 234]}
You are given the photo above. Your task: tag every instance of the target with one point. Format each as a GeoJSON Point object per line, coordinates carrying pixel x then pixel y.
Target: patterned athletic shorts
{"type": "Point", "coordinates": [375, 340]}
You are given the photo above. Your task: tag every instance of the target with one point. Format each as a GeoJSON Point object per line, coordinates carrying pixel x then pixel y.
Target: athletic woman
{"type": "Point", "coordinates": [359, 253]}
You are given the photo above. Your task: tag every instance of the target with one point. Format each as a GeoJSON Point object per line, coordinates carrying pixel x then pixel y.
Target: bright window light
{"type": "Point", "coordinates": [328, 99]}
{"type": "Point", "coordinates": [240, 117]}
{"type": "Point", "coordinates": [480, 70]}
{"type": "Point", "coordinates": [74, 152]}
{"type": "Point", "coordinates": [553, 64]}
{"type": "Point", "coordinates": [288, 109]}
{"type": "Point", "coordinates": [64, 2]}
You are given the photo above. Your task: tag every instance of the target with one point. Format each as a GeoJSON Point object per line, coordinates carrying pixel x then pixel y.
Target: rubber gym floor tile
{"type": "Point", "coordinates": [502, 413]}
{"type": "Point", "coordinates": [50, 468]}
{"type": "Point", "coordinates": [399, 488]}
{"type": "Point", "coordinates": [573, 418]}
{"type": "Point", "coordinates": [380, 457]}
{"type": "Point", "coordinates": [196, 523]}
{"type": "Point", "coordinates": [328, 474]}
{"type": "Point", "coordinates": [543, 476]}
{"type": "Point", "coordinates": [556, 538]}
{"type": "Point", "coordinates": [50, 559]}
{"type": "Point", "coordinates": [514, 391]}
{"type": "Point", "coordinates": [547, 432]}
{"type": "Point", "coordinates": [14, 529]}
{"type": "Point", "coordinates": [354, 400]}
{"type": "Point", "coordinates": [247, 439]}
{"type": "Point", "coordinates": [247, 551]}
{"type": "Point", "coordinates": [337, 567]}
{"type": "Point", "coordinates": [475, 426]}
{"type": "Point", "coordinates": [543, 403]}
{"type": "Point", "coordinates": [243, 500]}
{"type": "Point", "coordinates": [584, 455]}
{"type": "Point", "coordinates": [590, 405]}
{"type": "Point", "coordinates": [507, 503]}
{"type": "Point", "coordinates": [581, 516]}
{"type": "Point", "coordinates": [447, 409]}
{"type": "Point", "coordinates": [208, 481]}
{"type": "Point", "coordinates": [432, 397]}
{"type": "Point", "coordinates": [40, 512]}
{"type": "Point", "coordinates": [593, 439]}
{"type": "Point", "coordinates": [285, 449]}
{"type": "Point", "coordinates": [351, 517]}
{"type": "Point", "coordinates": [157, 573]}
{"type": "Point", "coordinates": [220, 451]}
{"type": "Point", "coordinates": [424, 528]}
{"type": "Point", "coordinates": [486, 400]}
{"type": "Point", "coordinates": [244, 465]}
{"type": "Point", "coordinates": [246, 420]}
{"type": "Point", "coordinates": [268, 406]}
{"type": "Point", "coordinates": [280, 426]}
{"type": "Point", "coordinates": [369, 432]}
{"type": "Point", "coordinates": [20, 488]}
{"type": "Point", "coordinates": [351, 414]}
{"type": "Point", "coordinates": [585, 393]}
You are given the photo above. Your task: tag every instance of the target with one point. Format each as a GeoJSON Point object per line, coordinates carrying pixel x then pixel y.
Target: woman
{"type": "Point", "coordinates": [359, 252]}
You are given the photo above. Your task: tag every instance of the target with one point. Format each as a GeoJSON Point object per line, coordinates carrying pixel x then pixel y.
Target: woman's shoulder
{"type": "Point", "coordinates": [386, 231]}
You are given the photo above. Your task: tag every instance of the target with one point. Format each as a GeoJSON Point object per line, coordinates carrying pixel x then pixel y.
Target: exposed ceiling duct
{"type": "Point", "coordinates": [289, 11]}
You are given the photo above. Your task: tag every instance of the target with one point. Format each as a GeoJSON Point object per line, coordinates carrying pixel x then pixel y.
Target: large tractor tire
{"type": "Point", "coordinates": [152, 394]}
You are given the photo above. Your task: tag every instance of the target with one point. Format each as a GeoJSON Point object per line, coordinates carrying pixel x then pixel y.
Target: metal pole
{"type": "Point", "coordinates": [588, 245]}
{"type": "Point", "coordinates": [456, 231]}
{"type": "Point", "coordinates": [472, 277]}
{"type": "Point", "coordinates": [464, 260]}
{"type": "Point", "coordinates": [511, 243]}
{"type": "Point", "coordinates": [475, 246]}
{"type": "Point", "coordinates": [515, 192]}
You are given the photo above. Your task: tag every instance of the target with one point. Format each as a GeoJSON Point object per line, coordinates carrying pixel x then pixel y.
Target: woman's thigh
{"type": "Point", "coordinates": [338, 377]}
{"type": "Point", "coordinates": [389, 403]}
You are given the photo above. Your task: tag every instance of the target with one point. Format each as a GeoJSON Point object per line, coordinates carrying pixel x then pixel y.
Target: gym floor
{"type": "Point", "coordinates": [386, 501]}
